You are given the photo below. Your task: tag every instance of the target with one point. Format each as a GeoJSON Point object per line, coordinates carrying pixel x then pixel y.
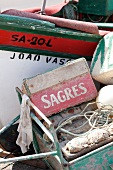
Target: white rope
{"type": "Point", "coordinates": [93, 118]}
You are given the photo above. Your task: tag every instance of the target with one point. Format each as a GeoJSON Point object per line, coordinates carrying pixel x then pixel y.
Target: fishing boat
{"type": "Point", "coordinates": [71, 138]}
{"type": "Point", "coordinates": [37, 38]}
{"type": "Point", "coordinates": [48, 35]}
{"type": "Point", "coordinates": [33, 39]}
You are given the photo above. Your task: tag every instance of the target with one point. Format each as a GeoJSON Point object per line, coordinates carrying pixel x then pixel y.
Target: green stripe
{"type": "Point", "coordinates": [110, 66]}
{"type": "Point", "coordinates": [20, 24]}
{"type": "Point", "coordinates": [24, 21]}
{"type": "Point", "coordinates": [99, 50]}
{"type": "Point", "coordinates": [106, 42]}
{"type": "Point", "coordinates": [43, 52]}
{"type": "Point", "coordinates": [105, 25]}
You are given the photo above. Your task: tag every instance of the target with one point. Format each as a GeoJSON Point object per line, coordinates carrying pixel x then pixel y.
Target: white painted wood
{"type": "Point", "coordinates": [13, 69]}
{"type": "Point", "coordinates": [49, 79]}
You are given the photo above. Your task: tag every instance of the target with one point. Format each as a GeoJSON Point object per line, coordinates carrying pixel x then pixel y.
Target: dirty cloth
{"type": "Point", "coordinates": [25, 136]}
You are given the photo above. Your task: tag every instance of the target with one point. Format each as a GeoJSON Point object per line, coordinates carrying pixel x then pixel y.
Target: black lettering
{"type": "Point", "coordinates": [22, 39]}
{"type": "Point", "coordinates": [48, 59]}
{"type": "Point", "coordinates": [21, 56]}
{"type": "Point", "coordinates": [48, 44]}
{"type": "Point", "coordinates": [41, 41]}
{"type": "Point", "coordinates": [34, 40]}
{"type": "Point", "coordinates": [62, 61]}
{"type": "Point", "coordinates": [68, 60]}
{"type": "Point", "coordinates": [54, 61]}
{"type": "Point", "coordinates": [14, 37]}
{"type": "Point", "coordinates": [36, 58]}
{"type": "Point", "coordinates": [13, 56]}
{"type": "Point", "coordinates": [29, 57]}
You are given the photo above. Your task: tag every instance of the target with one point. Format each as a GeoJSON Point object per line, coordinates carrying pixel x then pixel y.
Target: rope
{"type": "Point", "coordinates": [96, 119]}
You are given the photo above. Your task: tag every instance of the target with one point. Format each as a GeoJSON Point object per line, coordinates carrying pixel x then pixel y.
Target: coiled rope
{"type": "Point", "coordinates": [99, 118]}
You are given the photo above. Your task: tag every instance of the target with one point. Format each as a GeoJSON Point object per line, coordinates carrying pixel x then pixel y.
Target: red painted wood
{"type": "Point", "coordinates": [85, 91]}
{"type": "Point", "coordinates": [49, 43]}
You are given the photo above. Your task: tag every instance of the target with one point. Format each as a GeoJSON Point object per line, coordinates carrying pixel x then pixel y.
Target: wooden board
{"type": "Point", "coordinates": [61, 88]}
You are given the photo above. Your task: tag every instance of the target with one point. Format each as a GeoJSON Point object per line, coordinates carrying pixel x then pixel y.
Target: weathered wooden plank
{"type": "Point", "coordinates": [61, 88]}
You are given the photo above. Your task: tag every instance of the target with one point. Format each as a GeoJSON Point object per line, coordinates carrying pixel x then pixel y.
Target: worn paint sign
{"type": "Point", "coordinates": [61, 88]}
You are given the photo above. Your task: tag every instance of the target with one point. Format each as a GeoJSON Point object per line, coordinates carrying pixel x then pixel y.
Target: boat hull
{"type": "Point", "coordinates": [45, 40]}
{"type": "Point", "coordinates": [14, 67]}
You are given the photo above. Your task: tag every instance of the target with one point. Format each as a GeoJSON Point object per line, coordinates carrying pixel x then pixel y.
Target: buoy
{"type": "Point", "coordinates": [105, 96]}
{"type": "Point", "coordinates": [102, 63]}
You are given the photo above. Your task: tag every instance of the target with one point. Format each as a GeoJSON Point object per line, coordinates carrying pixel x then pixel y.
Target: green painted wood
{"type": "Point", "coordinates": [24, 21]}
{"type": "Point", "coordinates": [28, 157]}
{"type": "Point", "coordinates": [38, 122]}
{"type": "Point", "coordinates": [30, 27]}
{"type": "Point", "coordinates": [104, 25]}
{"type": "Point", "coordinates": [96, 7]}
{"type": "Point", "coordinates": [36, 145]}
{"type": "Point", "coordinates": [43, 52]}
{"type": "Point", "coordinates": [20, 24]}
{"type": "Point", "coordinates": [9, 124]}
{"type": "Point", "coordinates": [101, 158]}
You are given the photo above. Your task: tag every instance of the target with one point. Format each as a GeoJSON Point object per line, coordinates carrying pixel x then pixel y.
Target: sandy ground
{"type": "Point", "coordinates": [23, 4]}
